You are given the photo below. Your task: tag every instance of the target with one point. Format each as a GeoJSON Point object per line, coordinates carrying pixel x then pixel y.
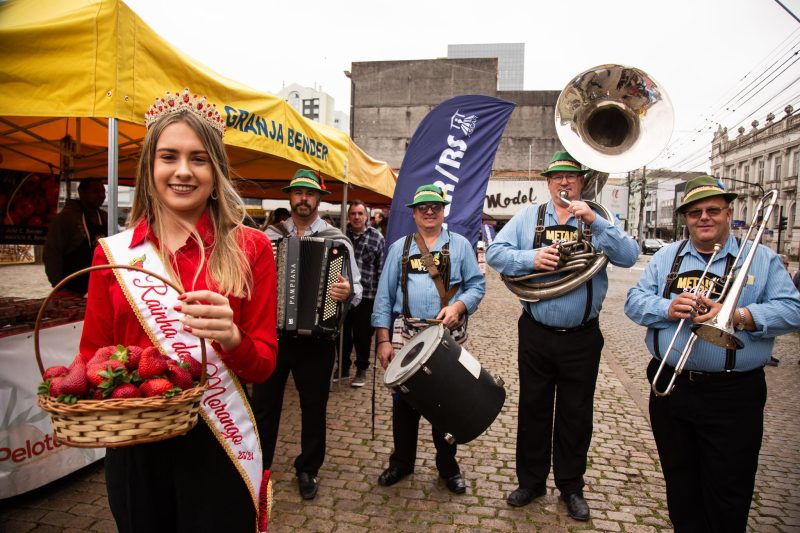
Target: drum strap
{"type": "Point", "coordinates": [730, 354]}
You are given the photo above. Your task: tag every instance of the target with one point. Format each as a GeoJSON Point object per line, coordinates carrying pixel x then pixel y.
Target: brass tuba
{"type": "Point", "coordinates": [611, 118]}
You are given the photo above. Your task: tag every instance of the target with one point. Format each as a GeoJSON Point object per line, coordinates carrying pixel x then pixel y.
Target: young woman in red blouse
{"type": "Point", "coordinates": [187, 210]}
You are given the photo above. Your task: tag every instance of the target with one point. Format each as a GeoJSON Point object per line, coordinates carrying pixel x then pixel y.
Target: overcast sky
{"type": "Point", "coordinates": [703, 52]}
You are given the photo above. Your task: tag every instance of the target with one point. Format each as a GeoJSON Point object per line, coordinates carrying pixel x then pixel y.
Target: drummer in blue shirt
{"type": "Point", "coordinates": [559, 339]}
{"type": "Point", "coordinates": [708, 430]}
{"type": "Point", "coordinates": [404, 273]}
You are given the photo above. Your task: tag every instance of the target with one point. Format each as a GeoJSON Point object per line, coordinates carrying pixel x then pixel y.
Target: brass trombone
{"type": "Point", "coordinates": [689, 344]}
{"type": "Point", "coordinates": [719, 330]}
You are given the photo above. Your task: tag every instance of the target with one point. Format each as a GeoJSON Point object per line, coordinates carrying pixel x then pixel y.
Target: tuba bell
{"type": "Point", "coordinates": [611, 118]}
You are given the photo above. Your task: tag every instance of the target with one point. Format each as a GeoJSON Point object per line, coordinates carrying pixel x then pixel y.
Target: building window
{"type": "Point", "coordinates": [311, 108]}
{"type": "Point", "coordinates": [760, 171]}
{"type": "Point", "coordinates": [796, 163]}
{"type": "Point", "coordinates": [747, 173]}
{"type": "Point", "coordinates": [777, 167]}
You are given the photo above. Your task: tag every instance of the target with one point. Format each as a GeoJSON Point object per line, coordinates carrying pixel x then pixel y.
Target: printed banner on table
{"type": "Point", "coordinates": [28, 201]}
{"type": "Point", "coordinates": [454, 148]}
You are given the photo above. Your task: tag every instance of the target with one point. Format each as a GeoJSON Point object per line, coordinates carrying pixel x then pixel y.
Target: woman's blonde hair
{"type": "Point", "coordinates": [229, 270]}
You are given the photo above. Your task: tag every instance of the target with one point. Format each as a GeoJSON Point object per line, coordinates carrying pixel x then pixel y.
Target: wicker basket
{"type": "Point", "coordinates": [120, 422]}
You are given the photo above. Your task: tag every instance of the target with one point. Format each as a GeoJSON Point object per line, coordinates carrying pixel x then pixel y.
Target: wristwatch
{"type": "Point", "coordinates": [742, 319]}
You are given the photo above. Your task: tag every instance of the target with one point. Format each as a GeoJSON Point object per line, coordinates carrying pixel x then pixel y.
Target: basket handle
{"type": "Point", "coordinates": [69, 278]}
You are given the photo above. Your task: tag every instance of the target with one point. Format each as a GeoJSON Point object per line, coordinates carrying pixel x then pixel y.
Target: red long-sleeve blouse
{"type": "Point", "coordinates": [110, 320]}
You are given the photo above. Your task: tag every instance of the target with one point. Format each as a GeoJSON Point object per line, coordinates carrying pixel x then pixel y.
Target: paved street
{"type": "Point", "coordinates": [624, 484]}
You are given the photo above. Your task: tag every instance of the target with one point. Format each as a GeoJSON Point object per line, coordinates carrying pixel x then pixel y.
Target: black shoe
{"type": "Point", "coordinates": [456, 484]}
{"type": "Point", "coordinates": [577, 508]}
{"type": "Point", "coordinates": [360, 380]}
{"type": "Point", "coordinates": [523, 496]}
{"type": "Point", "coordinates": [391, 476]}
{"type": "Point", "coordinates": [307, 485]}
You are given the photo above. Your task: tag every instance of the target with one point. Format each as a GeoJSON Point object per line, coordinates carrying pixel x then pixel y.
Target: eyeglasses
{"type": "Point", "coordinates": [710, 211]}
{"type": "Point", "coordinates": [423, 208]}
{"type": "Point", "coordinates": [571, 178]}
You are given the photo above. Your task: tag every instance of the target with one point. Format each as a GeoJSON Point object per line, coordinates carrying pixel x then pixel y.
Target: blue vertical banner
{"type": "Point", "coordinates": [454, 148]}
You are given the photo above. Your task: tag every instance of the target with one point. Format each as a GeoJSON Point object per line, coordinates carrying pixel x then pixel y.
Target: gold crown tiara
{"type": "Point", "coordinates": [173, 104]}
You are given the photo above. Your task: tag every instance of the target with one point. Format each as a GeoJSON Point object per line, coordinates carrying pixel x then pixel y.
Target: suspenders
{"type": "Point", "coordinates": [444, 272]}
{"type": "Point", "coordinates": [537, 243]}
{"type": "Point", "coordinates": [730, 355]}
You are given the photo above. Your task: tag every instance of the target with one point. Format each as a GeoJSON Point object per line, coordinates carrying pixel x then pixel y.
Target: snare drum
{"type": "Point", "coordinates": [446, 384]}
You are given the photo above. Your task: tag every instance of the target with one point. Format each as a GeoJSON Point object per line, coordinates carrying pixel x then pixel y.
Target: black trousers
{"type": "Point", "coordinates": [311, 362]}
{"type": "Point", "coordinates": [358, 332]}
{"type": "Point", "coordinates": [405, 430]}
{"type": "Point", "coordinates": [557, 376]}
{"type": "Point", "coordinates": [708, 435]}
{"type": "Point", "coordinates": [184, 484]}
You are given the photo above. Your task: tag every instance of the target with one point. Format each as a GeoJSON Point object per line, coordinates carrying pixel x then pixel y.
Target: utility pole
{"type": "Point", "coordinates": [642, 197]}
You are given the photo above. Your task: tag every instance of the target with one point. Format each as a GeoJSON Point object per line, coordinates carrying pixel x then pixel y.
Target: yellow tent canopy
{"type": "Point", "coordinates": [74, 71]}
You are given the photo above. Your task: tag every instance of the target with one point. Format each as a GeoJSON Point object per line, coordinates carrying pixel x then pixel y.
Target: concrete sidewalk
{"type": "Point", "coordinates": [624, 484]}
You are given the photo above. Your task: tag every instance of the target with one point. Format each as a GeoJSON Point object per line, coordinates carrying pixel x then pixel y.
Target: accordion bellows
{"type": "Point", "coordinates": [307, 268]}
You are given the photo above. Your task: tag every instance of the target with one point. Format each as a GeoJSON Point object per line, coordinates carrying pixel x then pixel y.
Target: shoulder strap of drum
{"type": "Point", "coordinates": [404, 273]}
{"type": "Point", "coordinates": [433, 270]}
{"type": "Point", "coordinates": [537, 236]}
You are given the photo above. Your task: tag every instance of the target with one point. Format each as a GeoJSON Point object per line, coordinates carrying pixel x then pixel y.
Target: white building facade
{"type": "Point", "coordinates": [764, 158]}
{"type": "Point", "coordinates": [315, 105]}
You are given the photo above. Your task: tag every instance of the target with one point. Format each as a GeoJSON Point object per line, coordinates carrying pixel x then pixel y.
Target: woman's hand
{"type": "Point", "coordinates": [208, 314]}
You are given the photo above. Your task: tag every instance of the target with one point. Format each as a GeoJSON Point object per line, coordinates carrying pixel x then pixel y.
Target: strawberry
{"type": "Point", "coordinates": [151, 364]}
{"type": "Point", "coordinates": [97, 373]}
{"type": "Point", "coordinates": [126, 390]}
{"type": "Point", "coordinates": [134, 355]}
{"type": "Point", "coordinates": [54, 371]}
{"type": "Point", "coordinates": [102, 354]}
{"type": "Point", "coordinates": [97, 394]}
{"type": "Point", "coordinates": [75, 382]}
{"type": "Point", "coordinates": [158, 387]}
{"type": "Point", "coordinates": [180, 376]}
{"type": "Point", "coordinates": [195, 369]}
{"type": "Point", "coordinates": [78, 361]}
{"type": "Point", "coordinates": [55, 383]}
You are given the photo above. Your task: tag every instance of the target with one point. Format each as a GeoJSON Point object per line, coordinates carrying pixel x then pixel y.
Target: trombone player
{"type": "Point", "coordinates": [708, 428]}
{"type": "Point", "coordinates": [559, 338]}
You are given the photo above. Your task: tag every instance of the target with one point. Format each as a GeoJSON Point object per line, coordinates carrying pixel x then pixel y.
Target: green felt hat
{"type": "Point", "coordinates": [428, 193]}
{"type": "Point", "coordinates": [309, 179]}
{"type": "Point", "coordinates": [563, 162]}
{"type": "Point", "coordinates": [702, 188]}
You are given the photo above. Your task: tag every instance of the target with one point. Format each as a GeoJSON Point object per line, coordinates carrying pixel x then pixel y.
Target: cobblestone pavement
{"type": "Point", "coordinates": [624, 484]}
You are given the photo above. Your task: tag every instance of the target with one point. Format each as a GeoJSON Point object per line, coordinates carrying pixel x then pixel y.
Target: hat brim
{"type": "Point", "coordinates": [549, 171]}
{"type": "Point", "coordinates": [428, 199]}
{"type": "Point", "coordinates": [729, 197]}
{"type": "Point", "coordinates": [305, 186]}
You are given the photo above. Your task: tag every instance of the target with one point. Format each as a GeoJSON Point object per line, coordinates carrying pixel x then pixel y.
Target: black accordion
{"type": "Point", "coordinates": [307, 268]}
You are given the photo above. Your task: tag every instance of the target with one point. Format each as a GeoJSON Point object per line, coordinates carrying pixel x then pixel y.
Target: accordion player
{"type": "Point", "coordinates": [307, 267]}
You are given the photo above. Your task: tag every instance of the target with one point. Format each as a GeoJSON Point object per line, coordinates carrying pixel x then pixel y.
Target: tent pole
{"type": "Point", "coordinates": [343, 211]}
{"type": "Point", "coordinates": [113, 178]}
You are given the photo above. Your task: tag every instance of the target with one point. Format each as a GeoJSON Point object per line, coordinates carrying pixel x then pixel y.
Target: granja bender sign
{"type": "Point", "coordinates": [248, 122]}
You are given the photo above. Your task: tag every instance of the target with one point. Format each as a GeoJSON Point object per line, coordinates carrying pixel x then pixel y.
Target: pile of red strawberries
{"type": "Point", "coordinates": [120, 372]}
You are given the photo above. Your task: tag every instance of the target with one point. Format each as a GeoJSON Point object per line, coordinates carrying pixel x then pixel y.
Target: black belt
{"type": "Point", "coordinates": [589, 324]}
{"type": "Point", "coordinates": [713, 377]}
